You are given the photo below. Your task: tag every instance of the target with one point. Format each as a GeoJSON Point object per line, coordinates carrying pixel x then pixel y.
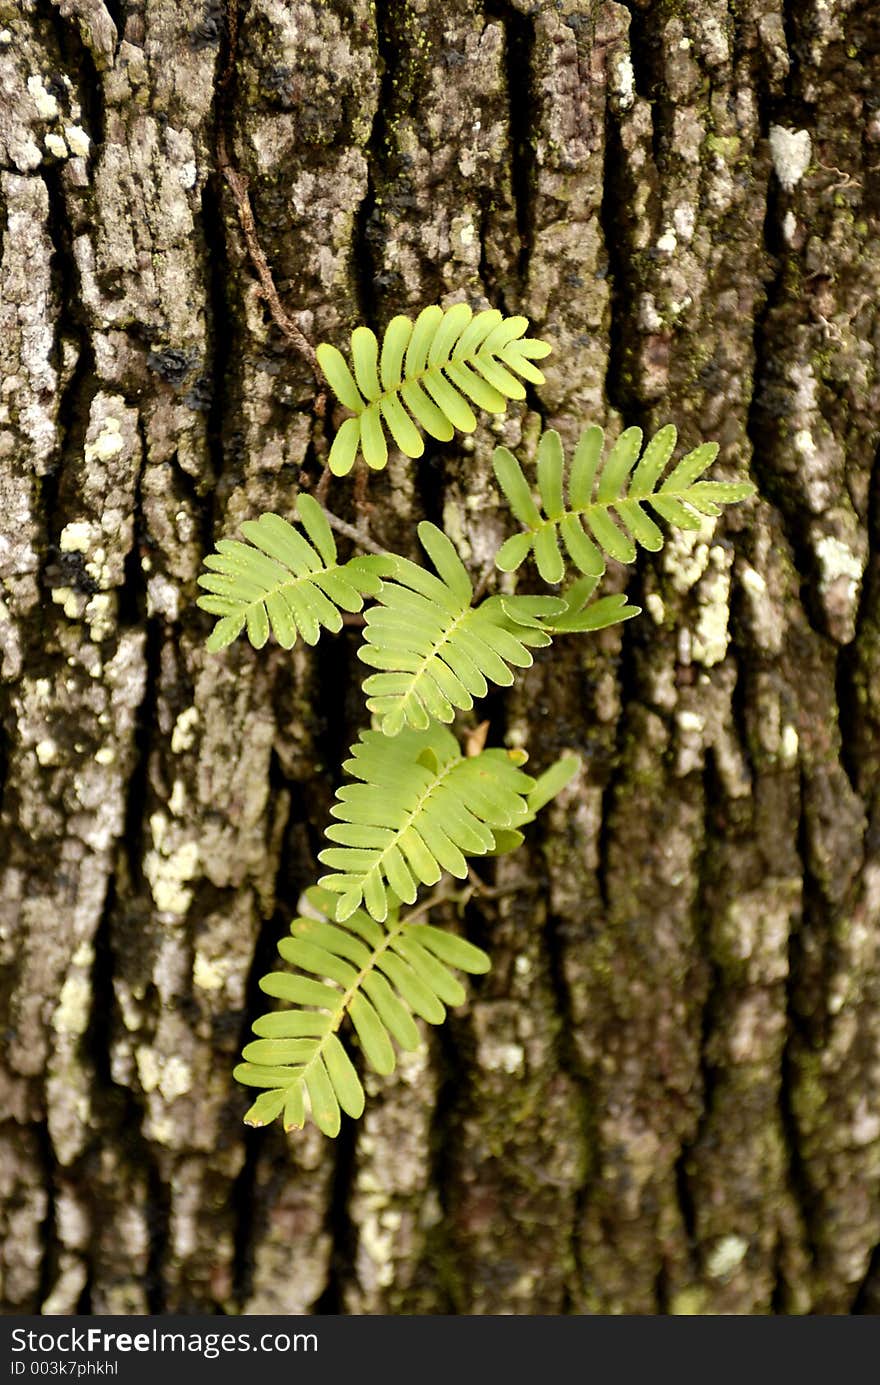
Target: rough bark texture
{"type": "Point", "coordinates": [666, 1095]}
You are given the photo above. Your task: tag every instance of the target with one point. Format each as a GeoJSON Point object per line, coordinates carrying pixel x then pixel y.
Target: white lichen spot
{"type": "Point", "coordinates": [502, 1057]}
{"type": "Point", "coordinates": [836, 561]}
{"type": "Point", "coordinates": [668, 242]}
{"type": "Point", "coordinates": [711, 636]}
{"type": "Point", "coordinates": [683, 220]}
{"type": "Point", "coordinates": [72, 603]}
{"type": "Point", "coordinates": [109, 442]}
{"type": "Point", "coordinates": [148, 1067]}
{"type": "Point", "coordinates": [523, 965]}
{"type": "Point", "coordinates": [168, 868]}
{"type": "Point", "coordinates": [753, 581]}
{"type": "Point", "coordinates": [790, 151]}
{"type": "Point", "coordinates": [163, 597]}
{"type": "Point", "coordinates": [177, 801]}
{"type": "Point", "coordinates": [866, 1123]}
{"type": "Point", "coordinates": [5, 38]}
{"type": "Point", "coordinates": [727, 1256]}
{"type": "Point", "coordinates": [45, 102]}
{"type": "Point", "coordinates": [209, 974]}
{"type": "Point", "coordinates": [789, 226]}
{"type": "Point", "coordinates": [76, 537]}
{"type": "Point", "coordinates": [686, 555]}
{"type": "Point", "coordinates": [804, 444]}
{"type": "Point", "coordinates": [99, 614]}
{"type": "Point", "coordinates": [656, 607]}
{"type": "Point", "coordinates": [648, 317]}
{"type": "Point", "coordinates": [788, 747]}
{"type": "Point", "coordinates": [176, 1077]}
{"type": "Point", "coordinates": [624, 81]}
{"type": "Point", "coordinates": [378, 1245]}
{"type": "Point", "coordinates": [690, 722]}
{"type": "Point", "coordinates": [71, 1014]}
{"type": "Point", "coordinates": [166, 876]}
{"type": "Point", "coordinates": [78, 141]}
{"type": "Point", "coordinates": [106, 755]}
{"type": "Point", "coordinates": [55, 145]}
{"type": "Point", "coordinates": [187, 174]}
{"type": "Point", "coordinates": [47, 751]}
{"type": "Point", "coordinates": [184, 733]}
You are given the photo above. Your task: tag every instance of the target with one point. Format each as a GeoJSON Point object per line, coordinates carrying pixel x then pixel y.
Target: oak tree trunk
{"type": "Point", "coordinates": [665, 1098]}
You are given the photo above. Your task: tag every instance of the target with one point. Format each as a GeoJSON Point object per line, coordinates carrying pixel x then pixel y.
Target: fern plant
{"type": "Point", "coordinates": [377, 977]}
{"type": "Point", "coordinates": [428, 372]}
{"type": "Point", "coordinates": [281, 581]}
{"type": "Point", "coordinates": [597, 490]}
{"type": "Point", "coordinates": [437, 651]}
{"type": "Point", "coordinates": [418, 805]}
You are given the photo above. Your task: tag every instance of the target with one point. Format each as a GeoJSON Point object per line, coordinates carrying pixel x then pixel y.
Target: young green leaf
{"type": "Point", "coordinates": [425, 374]}
{"type": "Point", "coordinates": [600, 493]}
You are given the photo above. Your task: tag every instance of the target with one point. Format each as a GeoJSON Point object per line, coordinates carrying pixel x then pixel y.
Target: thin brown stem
{"type": "Point", "coordinates": [356, 535]}
{"type": "Point", "coordinates": [238, 185]}
{"type": "Point", "coordinates": [483, 581]}
{"type": "Point", "coordinates": [323, 485]}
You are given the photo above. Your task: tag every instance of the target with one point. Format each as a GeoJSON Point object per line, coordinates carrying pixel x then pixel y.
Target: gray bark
{"type": "Point", "coordinates": [666, 1095]}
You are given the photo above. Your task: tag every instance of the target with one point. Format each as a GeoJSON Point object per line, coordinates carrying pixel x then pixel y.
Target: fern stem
{"type": "Point", "coordinates": [483, 581]}
{"type": "Point", "coordinates": [350, 532]}
{"type": "Point", "coordinates": [238, 184]}
{"type": "Point", "coordinates": [607, 506]}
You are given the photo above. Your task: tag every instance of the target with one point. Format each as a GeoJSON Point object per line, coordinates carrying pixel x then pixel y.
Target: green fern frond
{"type": "Point", "coordinates": [546, 787]}
{"type": "Point", "coordinates": [421, 807]}
{"type": "Point", "coordinates": [575, 613]}
{"type": "Point", "coordinates": [436, 651]}
{"type": "Point", "coordinates": [425, 374]}
{"type": "Point", "coordinates": [377, 976]}
{"type": "Point", "coordinates": [596, 490]}
{"type": "Point", "coordinates": [283, 581]}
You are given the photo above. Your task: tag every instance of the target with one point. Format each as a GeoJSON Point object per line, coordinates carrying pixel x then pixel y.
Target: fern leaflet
{"type": "Point", "coordinates": [434, 649]}
{"type": "Point", "coordinates": [596, 489]}
{"type": "Point", "coordinates": [420, 808]}
{"type": "Point", "coordinates": [576, 613]}
{"type": "Point", "coordinates": [379, 976]}
{"type": "Point", "coordinates": [546, 787]}
{"type": "Point", "coordinates": [283, 581]}
{"type": "Point", "coordinates": [425, 373]}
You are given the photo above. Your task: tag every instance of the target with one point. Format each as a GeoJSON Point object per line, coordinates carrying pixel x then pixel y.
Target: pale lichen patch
{"type": "Point", "coordinates": [790, 151]}
{"type": "Point", "coordinates": [71, 1014]}
{"type": "Point", "coordinates": [686, 555]}
{"type": "Point", "coordinates": [169, 867]}
{"type": "Point", "coordinates": [726, 1256]}
{"type": "Point", "coordinates": [711, 636]}
{"type": "Point", "coordinates": [46, 751]}
{"type": "Point", "coordinates": [209, 973]}
{"type": "Point", "coordinates": [108, 443]}
{"type": "Point", "coordinates": [55, 145]}
{"type": "Point", "coordinates": [184, 734]}
{"type": "Point", "coordinates": [46, 104]}
{"type": "Point", "coordinates": [77, 537]}
{"type": "Point", "coordinates": [78, 141]}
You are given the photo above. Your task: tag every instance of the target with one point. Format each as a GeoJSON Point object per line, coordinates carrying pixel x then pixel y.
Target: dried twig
{"type": "Point", "coordinates": [483, 580]}
{"type": "Point", "coordinates": [238, 184]}
{"type": "Point", "coordinates": [356, 535]}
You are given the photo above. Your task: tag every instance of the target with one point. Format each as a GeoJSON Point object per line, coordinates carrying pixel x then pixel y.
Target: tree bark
{"type": "Point", "coordinates": [665, 1097]}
